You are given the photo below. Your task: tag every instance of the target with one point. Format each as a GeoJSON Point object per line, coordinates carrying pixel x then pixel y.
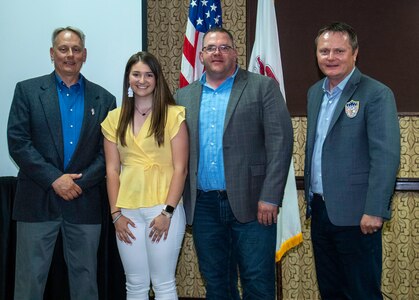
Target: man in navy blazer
{"type": "Point", "coordinates": [55, 139]}
{"type": "Point", "coordinates": [240, 152]}
{"type": "Point", "coordinates": [352, 158]}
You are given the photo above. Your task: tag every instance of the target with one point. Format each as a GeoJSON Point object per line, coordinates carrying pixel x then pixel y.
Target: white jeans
{"type": "Point", "coordinates": [144, 260]}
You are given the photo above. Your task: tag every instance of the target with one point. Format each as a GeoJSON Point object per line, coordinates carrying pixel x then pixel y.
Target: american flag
{"type": "Point", "coordinates": [203, 14]}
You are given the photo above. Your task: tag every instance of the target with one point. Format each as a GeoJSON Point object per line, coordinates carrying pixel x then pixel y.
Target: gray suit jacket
{"type": "Point", "coordinates": [257, 144]}
{"type": "Point", "coordinates": [35, 143]}
{"type": "Point", "coordinates": [360, 155]}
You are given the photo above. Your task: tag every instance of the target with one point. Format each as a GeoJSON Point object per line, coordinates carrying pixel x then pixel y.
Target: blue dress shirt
{"type": "Point", "coordinates": [71, 100]}
{"type": "Point", "coordinates": [328, 106]}
{"type": "Point", "coordinates": [211, 128]}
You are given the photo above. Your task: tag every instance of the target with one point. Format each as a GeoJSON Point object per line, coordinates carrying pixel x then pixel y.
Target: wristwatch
{"type": "Point", "coordinates": [169, 209]}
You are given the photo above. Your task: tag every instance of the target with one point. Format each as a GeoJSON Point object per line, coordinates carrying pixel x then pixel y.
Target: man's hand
{"type": "Point", "coordinates": [370, 224]}
{"type": "Point", "coordinates": [66, 188]}
{"type": "Point", "coordinates": [267, 213]}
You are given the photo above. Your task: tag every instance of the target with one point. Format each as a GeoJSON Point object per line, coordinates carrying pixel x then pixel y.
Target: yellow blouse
{"type": "Point", "coordinates": [146, 169]}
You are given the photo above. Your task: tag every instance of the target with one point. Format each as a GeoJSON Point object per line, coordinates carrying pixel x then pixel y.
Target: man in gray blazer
{"type": "Point", "coordinates": [240, 151]}
{"type": "Point", "coordinates": [55, 139]}
{"type": "Point", "coordinates": [352, 158]}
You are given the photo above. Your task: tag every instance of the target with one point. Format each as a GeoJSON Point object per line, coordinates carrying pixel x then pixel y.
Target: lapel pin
{"type": "Point", "coordinates": [352, 108]}
{"type": "Point", "coordinates": [93, 111]}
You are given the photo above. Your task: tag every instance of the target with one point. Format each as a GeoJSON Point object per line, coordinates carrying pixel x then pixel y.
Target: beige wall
{"type": "Point", "coordinates": [166, 27]}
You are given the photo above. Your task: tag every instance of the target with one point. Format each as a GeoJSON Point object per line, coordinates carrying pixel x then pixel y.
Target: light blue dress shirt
{"type": "Point", "coordinates": [211, 127]}
{"type": "Point", "coordinates": [71, 100]}
{"type": "Point", "coordinates": [328, 106]}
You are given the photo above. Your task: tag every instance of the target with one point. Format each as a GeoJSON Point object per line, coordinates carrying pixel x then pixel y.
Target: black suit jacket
{"type": "Point", "coordinates": [35, 143]}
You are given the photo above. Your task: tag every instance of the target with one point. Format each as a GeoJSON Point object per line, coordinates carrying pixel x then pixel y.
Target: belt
{"type": "Point", "coordinates": [221, 193]}
{"type": "Point", "coordinates": [318, 197]}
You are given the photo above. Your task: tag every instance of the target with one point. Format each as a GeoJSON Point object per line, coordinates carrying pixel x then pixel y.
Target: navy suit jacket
{"type": "Point", "coordinates": [361, 155]}
{"type": "Point", "coordinates": [35, 143]}
{"type": "Point", "coordinates": [257, 144]}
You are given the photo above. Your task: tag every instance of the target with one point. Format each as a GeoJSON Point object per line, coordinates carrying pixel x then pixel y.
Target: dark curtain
{"type": "Point", "coordinates": [111, 278]}
{"type": "Point", "coordinates": [7, 240]}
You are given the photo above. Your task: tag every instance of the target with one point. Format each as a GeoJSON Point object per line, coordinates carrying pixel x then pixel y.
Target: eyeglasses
{"type": "Point", "coordinates": [224, 49]}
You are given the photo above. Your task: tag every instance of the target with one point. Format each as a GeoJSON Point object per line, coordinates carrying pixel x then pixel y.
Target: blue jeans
{"type": "Point", "coordinates": [222, 243]}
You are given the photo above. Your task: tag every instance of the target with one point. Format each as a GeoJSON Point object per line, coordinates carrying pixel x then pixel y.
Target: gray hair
{"type": "Point", "coordinates": [77, 31]}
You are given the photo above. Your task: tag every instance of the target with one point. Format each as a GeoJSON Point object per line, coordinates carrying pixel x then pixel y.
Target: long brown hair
{"type": "Point", "coordinates": [162, 98]}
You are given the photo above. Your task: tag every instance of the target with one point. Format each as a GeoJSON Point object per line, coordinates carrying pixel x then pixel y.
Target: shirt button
{"type": "Point", "coordinates": [71, 143]}
{"type": "Point", "coordinates": [68, 95]}
{"type": "Point", "coordinates": [71, 126]}
{"type": "Point", "coordinates": [71, 109]}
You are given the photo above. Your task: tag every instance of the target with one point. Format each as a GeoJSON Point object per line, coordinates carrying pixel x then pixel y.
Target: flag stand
{"type": "Point", "coordinates": [279, 280]}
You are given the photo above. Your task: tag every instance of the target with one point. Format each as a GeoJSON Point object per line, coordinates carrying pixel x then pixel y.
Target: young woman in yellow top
{"type": "Point", "coordinates": [146, 151]}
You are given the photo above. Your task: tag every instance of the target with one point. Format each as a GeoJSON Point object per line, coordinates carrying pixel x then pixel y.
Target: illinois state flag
{"type": "Point", "coordinates": [203, 14]}
{"type": "Point", "coordinates": [266, 60]}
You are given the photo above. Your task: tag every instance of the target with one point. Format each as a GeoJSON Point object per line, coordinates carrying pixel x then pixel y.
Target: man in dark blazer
{"type": "Point", "coordinates": [55, 139]}
{"type": "Point", "coordinates": [240, 151]}
{"type": "Point", "coordinates": [352, 158]}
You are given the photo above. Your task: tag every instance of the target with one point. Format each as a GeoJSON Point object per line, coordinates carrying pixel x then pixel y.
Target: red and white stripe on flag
{"type": "Point", "coordinates": [266, 60]}
{"type": "Point", "coordinates": [203, 14]}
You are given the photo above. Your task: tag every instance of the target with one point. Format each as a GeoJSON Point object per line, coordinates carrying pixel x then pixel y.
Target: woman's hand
{"type": "Point", "coordinates": [159, 228]}
{"type": "Point", "coordinates": [123, 233]}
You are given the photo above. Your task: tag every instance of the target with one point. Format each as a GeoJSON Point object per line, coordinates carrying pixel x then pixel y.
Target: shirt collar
{"type": "Point", "coordinates": [340, 86]}
{"type": "Point", "coordinates": [203, 78]}
{"type": "Point", "coordinates": [61, 83]}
